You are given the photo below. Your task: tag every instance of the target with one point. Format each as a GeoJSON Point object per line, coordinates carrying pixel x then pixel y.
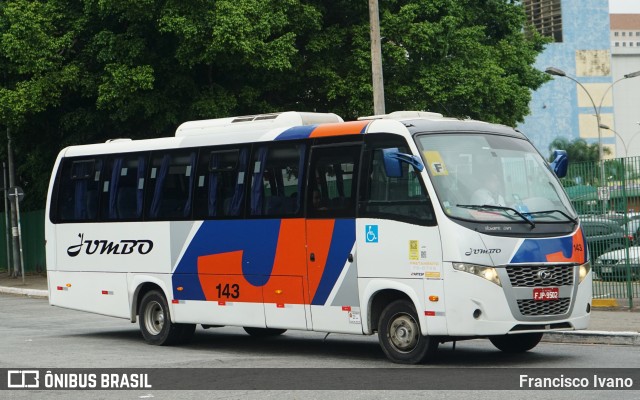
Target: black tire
{"type": "Point", "coordinates": [400, 336]}
{"type": "Point", "coordinates": [155, 322]}
{"type": "Point", "coordinates": [264, 332]}
{"type": "Point", "coordinates": [517, 343]}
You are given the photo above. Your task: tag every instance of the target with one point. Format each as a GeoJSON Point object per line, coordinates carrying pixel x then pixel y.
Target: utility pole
{"type": "Point", "coordinates": [13, 200]}
{"type": "Point", "coordinates": [376, 58]}
{"type": "Point", "coordinates": [6, 215]}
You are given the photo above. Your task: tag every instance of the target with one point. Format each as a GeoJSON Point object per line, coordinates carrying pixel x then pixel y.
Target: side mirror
{"type": "Point", "coordinates": [560, 163]}
{"type": "Point", "coordinates": [393, 159]}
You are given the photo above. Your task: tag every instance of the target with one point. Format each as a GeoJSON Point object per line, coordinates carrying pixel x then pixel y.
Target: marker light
{"type": "Point", "coordinates": [278, 291]}
{"type": "Point", "coordinates": [434, 298]}
{"type": "Point", "coordinates": [488, 273]}
{"type": "Point", "coordinates": [584, 271]}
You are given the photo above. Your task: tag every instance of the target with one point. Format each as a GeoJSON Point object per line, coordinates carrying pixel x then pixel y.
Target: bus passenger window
{"type": "Point", "coordinates": [124, 187]}
{"type": "Point", "coordinates": [277, 178]}
{"type": "Point", "coordinates": [332, 184]}
{"type": "Point", "coordinates": [219, 187]}
{"type": "Point", "coordinates": [78, 193]}
{"type": "Point", "coordinates": [171, 177]}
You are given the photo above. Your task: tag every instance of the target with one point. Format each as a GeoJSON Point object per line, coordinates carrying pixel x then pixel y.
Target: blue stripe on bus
{"type": "Point", "coordinates": [297, 132]}
{"type": "Point", "coordinates": [257, 239]}
{"type": "Point", "coordinates": [537, 250]}
{"type": "Point", "coordinates": [342, 241]}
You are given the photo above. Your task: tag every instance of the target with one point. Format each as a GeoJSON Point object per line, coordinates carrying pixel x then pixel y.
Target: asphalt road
{"type": "Point", "coordinates": [36, 335]}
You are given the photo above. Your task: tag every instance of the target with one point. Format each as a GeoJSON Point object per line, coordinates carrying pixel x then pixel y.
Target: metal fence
{"type": "Point", "coordinates": [607, 197]}
{"type": "Point", "coordinates": [33, 250]}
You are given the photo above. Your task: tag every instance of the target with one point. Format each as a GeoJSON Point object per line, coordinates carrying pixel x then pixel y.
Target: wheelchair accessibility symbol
{"type": "Point", "coordinates": [371, 233]}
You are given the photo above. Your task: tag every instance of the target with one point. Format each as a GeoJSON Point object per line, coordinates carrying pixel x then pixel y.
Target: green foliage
{"type": "Point", "coordinates": [85, 71]}
{"type": "Point", "coordinates": [578, 150]}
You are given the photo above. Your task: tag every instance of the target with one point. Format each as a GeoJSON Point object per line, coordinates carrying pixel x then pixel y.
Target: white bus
{"type": "Point", "coordinates": [419, 228]}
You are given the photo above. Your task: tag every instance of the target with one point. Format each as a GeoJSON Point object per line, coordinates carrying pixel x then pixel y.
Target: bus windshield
{"type": "Point", "coordinates": [493, 178]}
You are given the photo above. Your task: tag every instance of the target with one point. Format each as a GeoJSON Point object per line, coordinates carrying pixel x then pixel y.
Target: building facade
{"type": "Point", "coordinates": [581, 48]}
{"type": "Point", "coordinates": [625, 52]}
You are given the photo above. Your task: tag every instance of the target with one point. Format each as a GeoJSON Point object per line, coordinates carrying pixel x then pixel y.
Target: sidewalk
{"type": "Point", "coordinates": [608, 325]}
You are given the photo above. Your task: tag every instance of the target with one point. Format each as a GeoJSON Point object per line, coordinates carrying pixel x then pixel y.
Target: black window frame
{"type": "Point", "coordinates": [55, 214]}
{"type": "Point", "coordinates": [150, 190]}
{"type": "Point", "coordinates": [106, 196]}
{"type": "Point", "coordinates": [334, 143]}
{"type": "Point", "coordinates": [249, 199]}
{"type": "Point", "coordinates": [205, 155]}
{"type": "Point", "coordinates": [375, 142]}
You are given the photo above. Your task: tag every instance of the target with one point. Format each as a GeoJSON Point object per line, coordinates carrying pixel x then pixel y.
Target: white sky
{"type": "Point", "coordinates": [624, 6]}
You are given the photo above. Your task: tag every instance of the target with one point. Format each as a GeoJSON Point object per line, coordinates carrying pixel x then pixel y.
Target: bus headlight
{"type": "Point", "coordinates": [584, 271]}
{"type": "Point", "coordinates": [488, 273]}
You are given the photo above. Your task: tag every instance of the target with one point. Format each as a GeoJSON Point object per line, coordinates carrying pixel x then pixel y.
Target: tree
{"type": "Point", "coordinates": [578, 150]}
{"type": "Point", "coordinates": [82, 72]}
{"type": "Point", "coordinates": [583, 161]}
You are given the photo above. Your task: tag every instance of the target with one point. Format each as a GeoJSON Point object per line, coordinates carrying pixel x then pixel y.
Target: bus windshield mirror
{"type": "Point", "coordinates": [393, 159]}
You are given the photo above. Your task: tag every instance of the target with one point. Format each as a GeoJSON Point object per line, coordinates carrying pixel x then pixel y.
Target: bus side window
{"type": "Point", "coordinates": [171, 178]}
{"type": "Point", "coordinates": [333, 181]}
{"type": "Point", "coordinates": [78, 193]}
{"type": "Point", "coordinates": [277, 179]}
{"type": "Point", "coordinates": [123, 187]}
{"type": "Point", "coordinates": [400, 198]}
{"type": "Point", "coordinates": [220, 183]}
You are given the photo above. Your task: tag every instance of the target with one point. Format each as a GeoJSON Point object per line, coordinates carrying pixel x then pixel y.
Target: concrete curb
{"type": "Point", "coordinates": [593, 337]}
{"type": "Point", "coordinates": [604, 303]}
{"type": "Point", "coordinates": [25, 292]}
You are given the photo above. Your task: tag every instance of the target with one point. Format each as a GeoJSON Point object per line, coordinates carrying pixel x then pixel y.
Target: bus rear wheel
{"type": "Point", "coordinates": [518, 343]}
{"type": "Point", "coordinates": [400, 336]}
{"type": "Point", "coordinates": [264, 332]}
{"type": "Point", "coordinates": [155, 322]}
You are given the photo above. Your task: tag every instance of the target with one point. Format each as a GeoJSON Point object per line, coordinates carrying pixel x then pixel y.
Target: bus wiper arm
{"type": "Point", "coordinates": [490, 207]}
{"type": "Point", "coordinates": [574, 220]}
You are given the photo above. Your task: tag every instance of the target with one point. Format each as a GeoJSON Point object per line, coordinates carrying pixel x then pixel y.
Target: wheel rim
{"type": "Point", "coordinates": [154, 318]}
{"type": "Point", "coordinates": [404, 333]}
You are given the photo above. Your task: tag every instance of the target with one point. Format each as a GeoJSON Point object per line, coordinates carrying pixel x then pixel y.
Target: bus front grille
{"type": "Point", "coordinates": [540, 275]}
{"type": "Point", "coordinates": [554, 307]}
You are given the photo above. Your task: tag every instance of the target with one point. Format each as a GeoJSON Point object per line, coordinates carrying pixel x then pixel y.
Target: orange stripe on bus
{"type": "Point", "coordinates": [218, 273]}
{"type": "Point", "coordinates": [319, 235]}
{"type": "Point", "coordinates": [223, 263]}
{"type": "Point", "coordinates": [344, 128]}
{"type": "Point", "coordinates": [578, 254]}
{"type": "Point", "coordinates": [290, 258]}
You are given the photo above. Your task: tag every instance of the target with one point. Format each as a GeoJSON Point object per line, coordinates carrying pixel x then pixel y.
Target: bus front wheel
{"type": "Point", "coordinates": [155, 322]}
{"type": "Point", "coordinates": [517, 343]}
{"type": "Point", "coordinates": [400, 336]}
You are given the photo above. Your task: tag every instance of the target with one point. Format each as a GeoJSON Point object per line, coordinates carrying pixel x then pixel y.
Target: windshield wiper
{"type": "Point", "coordinates": [574, 220]}
{"type": "Point", "coordinates": [489, 207]}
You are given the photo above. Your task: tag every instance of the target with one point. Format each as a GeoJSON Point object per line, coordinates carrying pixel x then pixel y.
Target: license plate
{"type": "Point", "coordinates": [546, 294]}
{"type": "Point", "coordinates": [607, 270]}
